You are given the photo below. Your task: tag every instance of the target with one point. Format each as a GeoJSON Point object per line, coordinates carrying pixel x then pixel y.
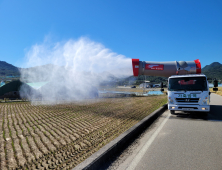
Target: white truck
{"type": "Point", "coordinates": [188, 89]}
{"type": "Point", "coordinates": [188, 93]}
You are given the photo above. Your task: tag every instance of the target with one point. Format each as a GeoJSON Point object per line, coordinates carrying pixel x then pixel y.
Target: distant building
{"type": "Point", "coordinates": [46, 90]}
{"type": "Point", "coordinates": [146, 85]}
{"type": "Point", "coordinates": [11, 90]}
{"type": "Point", "coordinates": [12, 76]}
{"type": "Point", "coordinates": [156, 85]}
{"type": "Point", "coordinates": [2, 83]}
{"type": "Point", "coordinates": [37, 85]}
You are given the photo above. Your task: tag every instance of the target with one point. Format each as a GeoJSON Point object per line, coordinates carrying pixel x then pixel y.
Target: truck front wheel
{"type": "Point", "coordinates": [172, 112]}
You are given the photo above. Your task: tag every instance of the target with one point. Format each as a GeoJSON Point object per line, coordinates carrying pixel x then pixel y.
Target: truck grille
{"type": "Point", "coordinates": [187, 108]}
{"type": "Point", "coordinates": [188, 100]}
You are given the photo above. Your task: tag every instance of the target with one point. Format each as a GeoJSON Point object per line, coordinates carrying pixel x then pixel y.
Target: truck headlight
{"type": "Point", "coordinates": [205, 100]}
{"type": "Point", "coordinates": [171, 100]}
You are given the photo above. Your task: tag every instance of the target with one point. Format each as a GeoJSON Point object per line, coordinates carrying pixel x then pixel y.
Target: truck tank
{"type": "Point", "coordinates": [165, 69]}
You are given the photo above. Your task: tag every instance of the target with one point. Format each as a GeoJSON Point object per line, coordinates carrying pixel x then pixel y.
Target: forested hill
{"type": "Point", "coordinates": [7, 69]}
{"type": "Point", "coordinates": [214, 70]}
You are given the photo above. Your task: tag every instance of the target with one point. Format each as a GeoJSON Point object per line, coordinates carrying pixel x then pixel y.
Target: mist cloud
{"type": "Point", "coordinates": [73, 69]}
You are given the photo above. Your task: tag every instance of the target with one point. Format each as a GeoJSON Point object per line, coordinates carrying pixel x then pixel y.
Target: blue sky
{"type": "Point", "coordinates": [151, 30]}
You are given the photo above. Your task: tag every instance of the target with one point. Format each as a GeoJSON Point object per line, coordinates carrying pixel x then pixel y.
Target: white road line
{"type": "Point", "coordinates": [143, 150]}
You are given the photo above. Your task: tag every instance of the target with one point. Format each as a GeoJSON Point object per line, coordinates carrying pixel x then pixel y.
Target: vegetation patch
{"type": "Point", "coordinates": [219, 92]}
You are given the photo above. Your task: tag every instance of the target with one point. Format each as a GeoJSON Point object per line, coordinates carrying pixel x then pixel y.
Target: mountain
{"type": "Point", "coordinates": [41, 73]}
{"type": "Point", "coordinates": [214, 70]}
{"type": "Point", "coordinates": [7, 69]}
{"type": "Point", "coordinates": [212, 65]}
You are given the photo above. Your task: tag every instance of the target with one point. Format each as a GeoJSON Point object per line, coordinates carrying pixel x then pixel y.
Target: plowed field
{"type": "Point", "coordinates": [63, 135]}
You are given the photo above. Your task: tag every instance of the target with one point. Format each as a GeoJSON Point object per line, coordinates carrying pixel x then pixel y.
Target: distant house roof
{"type": "Point", "coordinates": [2, 83]}
{"type": "Point", "coordinates": [37, 85]}
{"type": "Point", "coordinates": [12, 76]}
{"type": "Point", "coordinates": [146, 83]}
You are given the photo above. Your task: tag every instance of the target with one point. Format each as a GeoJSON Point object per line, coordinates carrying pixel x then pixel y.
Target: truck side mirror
{"type": "Point", "coordinates": [161, 85]}
{"type": "Point", "coordinates": [215, 83]}
{"type": "Point", "coordinates": [209, 92]}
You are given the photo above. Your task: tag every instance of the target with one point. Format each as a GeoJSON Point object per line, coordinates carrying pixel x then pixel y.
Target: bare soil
{"type": "Point", "coordinates": [63, 135]}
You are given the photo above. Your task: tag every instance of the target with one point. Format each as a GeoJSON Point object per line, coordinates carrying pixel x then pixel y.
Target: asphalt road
{"type": "Point", "coordinates": [182, 141]}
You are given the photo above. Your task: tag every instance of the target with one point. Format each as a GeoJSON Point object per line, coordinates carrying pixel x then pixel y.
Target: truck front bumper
{"type": "Point", "coordinates": [194, 108]}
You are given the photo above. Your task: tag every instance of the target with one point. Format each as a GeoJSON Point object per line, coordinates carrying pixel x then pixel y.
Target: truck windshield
{"type": "Point", "coordinates": [188, 84]}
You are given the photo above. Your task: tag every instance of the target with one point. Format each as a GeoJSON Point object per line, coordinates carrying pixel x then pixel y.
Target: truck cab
{"type": "Point", "coordinates": [188, 93]}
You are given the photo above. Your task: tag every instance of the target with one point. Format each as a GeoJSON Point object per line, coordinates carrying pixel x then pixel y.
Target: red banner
{"type": "Point", "coordinates": [182, 82]}
{"type": "Point", "coordinates": [154, 67]}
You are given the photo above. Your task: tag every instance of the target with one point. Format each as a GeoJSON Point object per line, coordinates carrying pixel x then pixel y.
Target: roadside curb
{"type": "Point", "coordinates": [100, 157]}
